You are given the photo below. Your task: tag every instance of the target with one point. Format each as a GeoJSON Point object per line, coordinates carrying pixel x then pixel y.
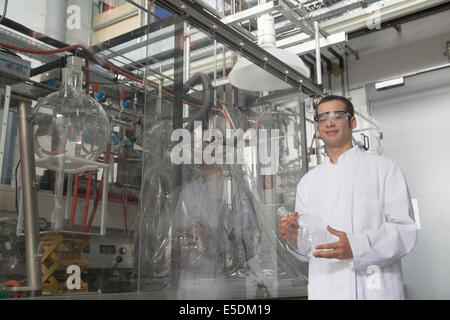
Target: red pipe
{"type": "Point", "coordinates": [34, 51]}
{"type": "Point", "coordinates": [86, 201]}
{"type": "Point", "coordinates": [263, 115]}
{"type": "Point", "coordinates": [110, 66]}
{"type": "Point", "coordinates": [23, 95]}
{"type": "Point", "coordinates": [77, 175]}
{"type": "Point", "coordinates": [117, 70]}
{"type": "Point", "coordinates": [61, 145]}
{"type": "Point", "coordinates": [15, 283]}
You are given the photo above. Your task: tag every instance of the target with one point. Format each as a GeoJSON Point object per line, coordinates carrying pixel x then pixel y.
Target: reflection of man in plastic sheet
{"type": "Point", "coordinates": [365, 198]}
{"type": "Point", "coordinates": [215, 234]}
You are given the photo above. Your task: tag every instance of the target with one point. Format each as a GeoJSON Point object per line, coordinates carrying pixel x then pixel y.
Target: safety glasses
{"type": "Point", "coordinates": [337, 117]}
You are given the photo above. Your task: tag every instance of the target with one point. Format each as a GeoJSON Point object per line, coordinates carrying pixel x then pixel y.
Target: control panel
{"type": "Point", "coordinates": [12, 66]}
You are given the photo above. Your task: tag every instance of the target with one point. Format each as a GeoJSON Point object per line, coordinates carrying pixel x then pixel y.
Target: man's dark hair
{"type": "Point", "coordinates": [348, 104]}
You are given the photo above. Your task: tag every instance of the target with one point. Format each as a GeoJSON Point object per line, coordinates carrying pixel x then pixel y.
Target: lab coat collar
{"type": "Point", "coordinates": [343, 157]}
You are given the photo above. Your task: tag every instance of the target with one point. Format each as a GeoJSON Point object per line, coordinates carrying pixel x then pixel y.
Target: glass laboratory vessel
{"type": "Point", "coordinates": [70, 125]}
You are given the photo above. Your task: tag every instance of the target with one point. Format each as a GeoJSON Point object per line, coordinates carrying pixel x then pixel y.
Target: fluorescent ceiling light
{"type": "Point", "coordinates": [389, 83]}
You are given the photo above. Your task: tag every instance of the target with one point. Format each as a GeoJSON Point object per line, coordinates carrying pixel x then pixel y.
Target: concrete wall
{"type": "Point", "coordinates": [31, 13]}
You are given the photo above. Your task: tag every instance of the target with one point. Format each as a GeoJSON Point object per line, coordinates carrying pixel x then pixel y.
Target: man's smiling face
{"type": "Point", "coordinates": [335, 132]}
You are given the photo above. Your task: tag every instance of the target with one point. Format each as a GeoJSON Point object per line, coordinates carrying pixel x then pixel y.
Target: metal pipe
{"type": "Point", "coordinates": [318, 62]}
{"type": "Point", "coordinates": [187, 64]}
{"type": "Point", "coordinates": [4, 126]}
{"type": "Point", "coordinates": [346, 76]}
{"type": "Point", "coordinates": [304, 144]}
{"type": "Point", "coordinates": [144, 9]}
{"type": "Point", "coordinates": [30, 208]}
{"type": "Point", "coordinates": [215, 72]}
{"type": "Point", "coordinates": [114, 20]}
{"type": "Point", "coordinates": [139, 20]}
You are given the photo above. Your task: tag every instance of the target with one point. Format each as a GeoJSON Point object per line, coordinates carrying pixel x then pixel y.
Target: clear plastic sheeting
{"type": "Point", "coordinates": [207, 231]}
{"type": "Point", "coordinates": [153, 243]}
{"type": "Point", "coordinates": [214, 239]}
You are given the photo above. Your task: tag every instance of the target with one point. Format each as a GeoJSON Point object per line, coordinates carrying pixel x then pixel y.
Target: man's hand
{"type": "Point", "coordinates": [286, 223]}
{"type": "Point", "coordinates": [339, 250]}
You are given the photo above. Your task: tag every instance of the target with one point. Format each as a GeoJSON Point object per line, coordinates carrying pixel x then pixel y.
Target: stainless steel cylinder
{"type": "Point", "coordinates": [30, 208]}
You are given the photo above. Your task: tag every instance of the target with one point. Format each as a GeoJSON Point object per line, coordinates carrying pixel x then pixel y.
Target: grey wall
{"type": "Point", "coordinates": [387, 54]}
{"type": "Point", "coordinates": [416, 124]}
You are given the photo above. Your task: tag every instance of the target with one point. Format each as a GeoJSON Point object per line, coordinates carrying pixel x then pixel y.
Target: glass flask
{"type": "Point", "coordinates": [305, 233]}
{"type": "Point", "coordinates": [70, 125]}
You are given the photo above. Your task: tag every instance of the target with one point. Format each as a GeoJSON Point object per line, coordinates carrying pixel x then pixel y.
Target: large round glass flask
{"type": "Point", "coordinates": [71, 129]}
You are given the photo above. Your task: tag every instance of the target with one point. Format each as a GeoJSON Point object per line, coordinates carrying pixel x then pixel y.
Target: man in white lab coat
{"type": "Point", "coordinates": [363, 199]}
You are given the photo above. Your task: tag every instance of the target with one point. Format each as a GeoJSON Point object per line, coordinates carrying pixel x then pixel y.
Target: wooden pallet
{"type": "Point", "coordinates": [59, 252]}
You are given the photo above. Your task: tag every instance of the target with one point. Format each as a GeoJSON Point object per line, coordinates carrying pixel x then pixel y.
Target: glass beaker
{"type": "Point", "coordinates": [305, 233]}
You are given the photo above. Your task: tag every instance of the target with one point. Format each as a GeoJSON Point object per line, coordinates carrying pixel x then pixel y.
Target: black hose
{"type": "Point", "coordinates": [207, 97]}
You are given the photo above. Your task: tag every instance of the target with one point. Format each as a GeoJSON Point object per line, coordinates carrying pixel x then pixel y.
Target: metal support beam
{"type": "Point", "coordinates": [30, 208]}
{"type": "Point", "coordinates": [295, 18]}
{"type": "Point", "coordinates": [310, 46]}
{"type": "Point", "coordinates": [4, 126]}
{"type": "Point", "coordinates": [198, 17]}
{"type": "Point", "coordinates": [401, 20]}
{"type": "Point", "coordinates": [352, 51]}
{"type": "Point", "coordinates": [134, 34]}
{"type": "Point", "coordinates": [59, 63]}
{"type": "Point", "coordinates": [251, 13]}
{"type": "Point", "coordinates": [143, 9]}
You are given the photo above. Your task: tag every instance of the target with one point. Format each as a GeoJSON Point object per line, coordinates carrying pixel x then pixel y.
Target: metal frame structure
{"type": "Point", "coordinates": [198, 17]}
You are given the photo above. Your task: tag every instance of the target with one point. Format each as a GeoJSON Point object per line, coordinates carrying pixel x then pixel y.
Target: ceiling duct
{"type": "Point", "coordinates": [248, 76]}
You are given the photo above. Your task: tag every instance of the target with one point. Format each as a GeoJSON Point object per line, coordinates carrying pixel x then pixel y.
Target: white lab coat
{"type": "Point", "coordinates": [365, 196]}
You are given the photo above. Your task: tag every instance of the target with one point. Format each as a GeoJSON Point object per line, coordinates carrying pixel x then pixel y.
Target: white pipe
{"type": "Point", "coordinates": [318, 60]}
{"type": "Point", "coordinates": [266, 31]}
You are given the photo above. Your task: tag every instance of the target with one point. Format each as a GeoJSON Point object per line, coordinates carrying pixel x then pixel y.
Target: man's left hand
{"type": "Point", "coordinates": [339, 250]}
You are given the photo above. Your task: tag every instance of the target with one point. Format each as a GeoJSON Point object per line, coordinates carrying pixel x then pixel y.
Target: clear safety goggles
{"type": "Point", "coordinates": [337, 117]}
